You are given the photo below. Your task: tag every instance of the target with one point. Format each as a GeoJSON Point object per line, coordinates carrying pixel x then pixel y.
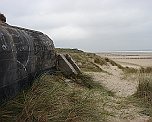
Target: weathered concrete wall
{"type": "Point", "coordinates": [23, 53]}
{"type": "Point", "coordinates": [67, 65]}
{"type": "Point", "coordinates": [64, 66]}
{"type": "Point", "coordinates": [73, 63]}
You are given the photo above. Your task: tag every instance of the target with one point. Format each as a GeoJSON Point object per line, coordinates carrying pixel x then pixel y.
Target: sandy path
{"type": "Point", "coordinates": [115, 81]}
{"type": "Point", "coordinates": [122, 87]}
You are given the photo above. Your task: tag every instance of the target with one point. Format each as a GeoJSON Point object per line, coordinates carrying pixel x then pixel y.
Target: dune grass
{"type": "Point", "coordinates": [145, 86]}
{"type": "Point", "coordinates": [146, 70]}
{"type": "Point", "coordinates": [86, 61]}
{"type": "Point", "coordinates": [144, 92]}
{"type": "Point", "coordinates": [113, 63]}
{"type": "Point", "coordinates": [56, 98]}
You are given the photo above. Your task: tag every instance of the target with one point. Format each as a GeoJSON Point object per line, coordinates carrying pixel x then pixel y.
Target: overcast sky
{"type": "Point", "coordinates": [90, 25]}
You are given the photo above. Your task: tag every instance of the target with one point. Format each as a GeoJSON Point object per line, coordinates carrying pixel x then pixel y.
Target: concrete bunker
{"type": "Point", "coordinates": [25, 53]}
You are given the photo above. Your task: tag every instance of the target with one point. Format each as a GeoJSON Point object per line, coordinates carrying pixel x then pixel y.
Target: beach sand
{"type": "Point", "coordinates": [130, 59]}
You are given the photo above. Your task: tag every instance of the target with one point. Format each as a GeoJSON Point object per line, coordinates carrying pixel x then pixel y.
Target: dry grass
{"type": "Point", "coordinates": [144, 92]}
{"type": "Point", "coordinates": [58, 99]}
{"type": "Point", "coordinates": [86, 61]}
{"type": "Point", "coordinates": [146, 70]}
{"type": "Point", "coordinates": [145, 87]}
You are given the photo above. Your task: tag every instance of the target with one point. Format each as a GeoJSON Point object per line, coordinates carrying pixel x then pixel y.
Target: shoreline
{"type": "Point", "coordinates": [130, 59]}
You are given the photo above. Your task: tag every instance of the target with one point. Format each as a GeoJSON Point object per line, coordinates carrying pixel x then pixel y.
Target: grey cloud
{"type": "Point", "coordinates": [91, 25]}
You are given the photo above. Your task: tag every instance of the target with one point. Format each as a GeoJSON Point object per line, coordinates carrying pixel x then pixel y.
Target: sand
{"type": "Point", "coordinates": [122, 86]}
{"type": "Point", "coordinates": [130, 59]}
{"type": "Point", "coordinates": [116, 82]}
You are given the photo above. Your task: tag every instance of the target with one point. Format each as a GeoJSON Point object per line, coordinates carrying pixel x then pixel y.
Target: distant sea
{"type": "Point", "coordinates": [129, 52]}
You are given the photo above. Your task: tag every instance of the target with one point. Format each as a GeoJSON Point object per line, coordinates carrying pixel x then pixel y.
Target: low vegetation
{"type": "Point", "coordinates": [144, 92]}
{"type": "Point", "coordinates": [91, 61]}
{"type": "Point", "coordinates": [55, 98]}
{"type": "Point", "coordinates": [113, 63]}
{"type": "Point", "coordinates": [86, 61]}
{"type": "Point", "coordinates": [146, 70]}
{"type": "Point", "coordinates": [58, 98]}
{"type": "Point", "coordinates": [144, 75]}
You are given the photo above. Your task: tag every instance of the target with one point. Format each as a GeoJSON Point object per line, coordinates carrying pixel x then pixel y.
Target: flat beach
{"type": "Point", "coordinates": [130, 59]}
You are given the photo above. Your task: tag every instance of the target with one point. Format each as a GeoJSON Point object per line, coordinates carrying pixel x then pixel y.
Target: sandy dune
{"type": "Point", "coordinates": [122, 87]}
{"type": "Point", "coordinates": [116, 81]}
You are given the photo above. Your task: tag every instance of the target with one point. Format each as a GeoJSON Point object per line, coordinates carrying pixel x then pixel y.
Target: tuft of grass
{"type": "Point", "coordinates": [145, 87]}
{"type": "Point", "coordinates": [146, 70]}
{"type": "Point", "coordinates": [144, 92]}
{"type": "Point", "coordinates": [55, 98]}
{"type": "Point", "coordinates": [113, 63]}
{"type": "Point", "coordinates": [130, 70]}
{"type": "Point", "coordinates": [99, 60]}
{"type": "Point", "coordinates": [141, 70]}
